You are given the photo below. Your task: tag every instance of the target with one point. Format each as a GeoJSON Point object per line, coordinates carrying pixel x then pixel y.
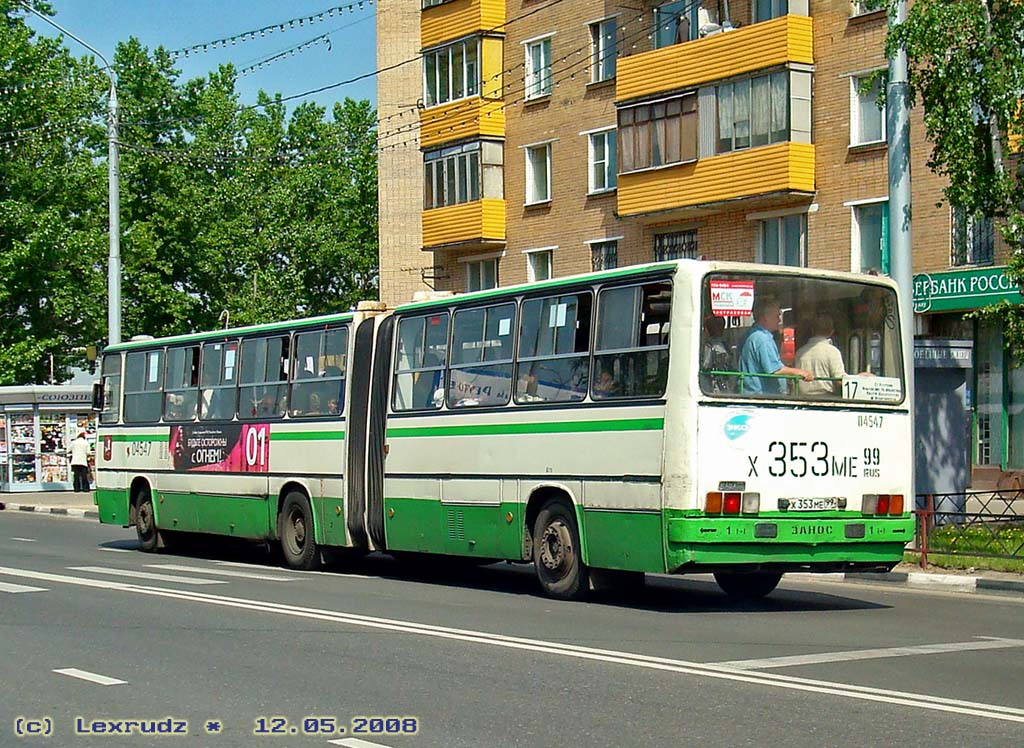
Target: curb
{"type": "Point", "coordinates": [921, 580]}
{"type": "Point", "coordinates": [60, 510]}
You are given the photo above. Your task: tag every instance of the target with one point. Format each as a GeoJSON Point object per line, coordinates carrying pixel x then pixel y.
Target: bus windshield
{"type": "Point", "coordinates": [799, 338]}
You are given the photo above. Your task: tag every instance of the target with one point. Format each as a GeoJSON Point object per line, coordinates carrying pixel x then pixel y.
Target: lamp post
{"type": "Point", "coordinates": [113, 179]}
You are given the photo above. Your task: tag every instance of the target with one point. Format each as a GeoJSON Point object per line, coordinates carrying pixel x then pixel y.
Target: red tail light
{"type": "Point", "coordinates": [883, 503]}
{"type": "Point", "coordinates": [731, 503]}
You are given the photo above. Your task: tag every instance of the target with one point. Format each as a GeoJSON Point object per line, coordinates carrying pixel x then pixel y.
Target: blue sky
{"type": "Point", "coordinates": [177, 24]}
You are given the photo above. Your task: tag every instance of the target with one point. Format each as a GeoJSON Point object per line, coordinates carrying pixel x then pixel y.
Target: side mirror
{"type": "Point", "coordinates": [97, 396]}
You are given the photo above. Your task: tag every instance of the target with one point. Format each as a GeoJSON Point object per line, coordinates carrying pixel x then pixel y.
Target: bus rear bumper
{"type": "Point", "coordinates": [783, 544]}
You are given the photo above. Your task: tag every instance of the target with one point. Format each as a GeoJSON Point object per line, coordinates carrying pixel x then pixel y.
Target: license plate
{"type": "Point", "coordinates": [819, 504]}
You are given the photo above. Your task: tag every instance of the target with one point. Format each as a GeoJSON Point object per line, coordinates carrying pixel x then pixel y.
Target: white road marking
{"type": "Point", "coordinates": [103, 680]}
{"type": "Point", "coordinates": [871, 654]}
{"type": "Point", "coordinates": [8, 587]}
{"type": "Point", "coordinates": [145, 575]}
{"type": "Point", "coordinates": [356, 743]}
{"type": "Point", "coordinates": [25, 540]}
{"type": "Point", "coordinates": [116, 550]}
{"type": "Point", "coordinates": [242, 565]}
{"type": "Point", "coordinates": [662, 664]}
{"type": "Point", "coordinates": [221, 572]}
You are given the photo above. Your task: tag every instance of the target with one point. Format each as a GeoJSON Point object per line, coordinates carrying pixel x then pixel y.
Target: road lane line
{"type": "Point", "coordinates": [145, 575]}
{"type": "Point", "coordinates": [243, 565]}
{"type": "Point", "coordinates": [222, 572]}
{"type": "Point", "coordinates": [863, 693]}
{"type": "Point", "coordinates": [356, 743]}
{"type": "Point", "coordinates": [870, 654]}
{"type": "Point", "coordinates": [25, 540]}
{"type": "Point", "coordinates": [8, 587]}
{"type": "Point", "coordinates": [116, 550]}
{"type": "Point", "coordinates": [103, 680]}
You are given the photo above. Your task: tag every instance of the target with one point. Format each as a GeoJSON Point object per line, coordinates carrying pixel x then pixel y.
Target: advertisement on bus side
{"type": "Point", "coordinates": [227, 448]}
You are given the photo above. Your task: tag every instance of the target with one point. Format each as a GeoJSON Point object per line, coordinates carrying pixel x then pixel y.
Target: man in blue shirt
{"type": "Point", "coordinates": [760, 355]}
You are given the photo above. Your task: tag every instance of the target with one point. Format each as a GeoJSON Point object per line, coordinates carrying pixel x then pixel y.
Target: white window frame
{"type": "Point", "coordinates": [856, 101]}
{"type": "Point", "coordinates": [611, 178]}
{"type": "Point", "coordinates": [599, 46]}
{"type": "Point", "coordinates": [467, 77]}
{"type": "Point", "coordinates": [781, 216]}
{"type": "Point", "coordinates": [538, 82]}
{"type": "Point", "coordinates": [477, 262]}
{"type": "Point", "coordinates": [535, 255]}
{"type": "Point", "coordinates": [528, 149]}
{"type": "Point", "coordinates": [855, 253]}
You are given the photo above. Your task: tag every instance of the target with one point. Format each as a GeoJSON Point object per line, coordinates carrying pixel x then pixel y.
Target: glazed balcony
{"type": "Point", "coordinates": [458, 18]}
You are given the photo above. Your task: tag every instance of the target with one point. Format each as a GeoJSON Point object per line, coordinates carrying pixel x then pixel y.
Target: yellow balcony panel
{"type": "Point", "coordinates": [461, 119]}
{"type": "Point", "coordinates": [716, 57]}
{"type": "Point", "coordinates": [458, 18]}
{"type": "Point", "coordinates": [783, 167]}
{"type": "Point", "coordinates": [479, 222]}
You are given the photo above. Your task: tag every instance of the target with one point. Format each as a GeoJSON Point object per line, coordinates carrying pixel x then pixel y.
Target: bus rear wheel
{"type": "Point", "coordinates": [748, 585]}
{"type": "Point", "coordinates": [295, 529]}
{"type": "Point", "coordinates": [145, 523]}
{"type": "Point", "coordinates": [556, 553]}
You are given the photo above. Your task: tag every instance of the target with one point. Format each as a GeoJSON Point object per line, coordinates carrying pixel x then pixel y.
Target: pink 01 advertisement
{"type": "Point", "coordinates": [230, 448]}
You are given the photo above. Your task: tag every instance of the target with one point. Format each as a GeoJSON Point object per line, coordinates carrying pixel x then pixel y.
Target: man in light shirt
{"type": "Point", "coordinates": [822, 359]}
{"type": "Point", "coordinates": [80, 462]}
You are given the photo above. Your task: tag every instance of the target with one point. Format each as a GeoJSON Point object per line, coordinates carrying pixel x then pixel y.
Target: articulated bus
{"type": "Point", "coordinates": [568, 423]}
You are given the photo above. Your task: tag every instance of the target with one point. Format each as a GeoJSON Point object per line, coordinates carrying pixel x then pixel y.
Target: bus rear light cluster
{"type": "Point", "coordinates": [882, 503]}
{"type": "Point", "coordinates": [732, 502]}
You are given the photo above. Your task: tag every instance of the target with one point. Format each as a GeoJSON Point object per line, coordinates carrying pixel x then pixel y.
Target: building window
{"type": "Point", "coordinates": [451, 72]}
{"type": "Point", "coordinates": [538, 173]}
{"type": "Point", "coordinates": [603, 50]}
{"type": "Point", "coordinates": [679, 245]}
{"type": "Point", "coordinates": [973, 239]}
{"type": "Point", "coordinates": [672, 23]}
{"type": "Point", "coordinates": [538, 68]}
{"type": "Point", "coordinates": [538, 265]}
{"type": "Point", "coordinates": [482, 274]}
{"type": "Point", "coordinates": [603, 161]}
{"type": "Point", "coordinates": [451, 176]}
{"type": "Point", "coordinates": [867, 120]}
{"type": "Point", "coordinates": [765, 10]}
{"type": "Point", "coordinates": [753, 112]}
{"type": "Point", "coordinates": [431, 3]}
{"type": "Point", "coordinates": [658, 134]}
{"type": "Point", "coordinates": [604, 255]}
{"type": "Point", "coordinates": [863, 7]}
{"type": "Point", "coordinates": [871, 237]}
{"type": "Point", "coordinates": [783, 240]}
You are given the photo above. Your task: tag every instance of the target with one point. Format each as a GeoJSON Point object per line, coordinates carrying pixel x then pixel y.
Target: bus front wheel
{"type": "Point", "coordinates": [556, 553]}
{"type": "Point", "coordinates": [145, 523]}
{"type": "Point", "coordinates": [747, 585]}
{"type": "Point", "coordinates": [295, 528]}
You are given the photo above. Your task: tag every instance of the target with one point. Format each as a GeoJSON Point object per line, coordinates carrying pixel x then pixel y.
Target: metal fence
{"type": "Point", "coordinates": [982, 524]}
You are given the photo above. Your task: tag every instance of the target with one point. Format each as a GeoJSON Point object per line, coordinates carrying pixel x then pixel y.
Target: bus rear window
{"type": "Point", "coordinates": [799, 338]}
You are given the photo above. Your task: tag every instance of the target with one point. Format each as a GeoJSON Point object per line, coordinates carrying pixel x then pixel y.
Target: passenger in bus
{"type": "Point", "coordinates": [820, 357]}
{"type": "Point", "coordinates": [313, 407]}
{"type": "Point", "coordinates": [605, 385]}
{"type": "Point", "coordinates": [759, 354]}
{"type": "Point", "coordinates": [715, 356]}
{"type": "Point", "coordinates": [267, 405]}
{"type": "Point", "coordinates": [427, 384]}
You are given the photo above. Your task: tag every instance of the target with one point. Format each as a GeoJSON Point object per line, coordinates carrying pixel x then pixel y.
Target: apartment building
{"type": "Point", "coordinates": [560, 136]}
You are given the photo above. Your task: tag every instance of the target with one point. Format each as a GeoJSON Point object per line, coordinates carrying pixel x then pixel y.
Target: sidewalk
{"type": "Point", "coordinates": [51, 502]}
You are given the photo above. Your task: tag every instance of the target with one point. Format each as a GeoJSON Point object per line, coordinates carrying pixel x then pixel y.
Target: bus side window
{"type": "Point", "coordinates": [318, 373]}
{"type": "Point", "coordinates": [420, 363]}
{"type": "Point", "coordinates": [143, 386]}
{"type": "Point", "coordinates": [111, 369]}
{"type": "Point", "coordinates": [263, 378]}
{"type": "Point", "coordinates": [631, 353]}
{"type": "Point", "coordinates": [554, 349]}
{"type": "Point", "coordinates": [217, 380]}
{"type": "Point", "coordinates": [481, 357]}
{"type": "Point", "coordinates": [181, 391]}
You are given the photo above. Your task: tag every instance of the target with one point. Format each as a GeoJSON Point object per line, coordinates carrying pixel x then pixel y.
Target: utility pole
{"type": "Point", "coordinates": [113, 186]}
{"type": "Point", "coordinates": [901, 253]}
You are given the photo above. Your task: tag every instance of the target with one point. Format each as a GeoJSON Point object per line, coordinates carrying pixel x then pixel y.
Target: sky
{"type": "Point", "coordinates": [177, 24]}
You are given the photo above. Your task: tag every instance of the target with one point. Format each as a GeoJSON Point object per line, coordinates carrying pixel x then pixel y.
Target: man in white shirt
{"type": "Point", "coordinates": [80, 462]}
{"type": "Point", "coordinates": [822, 359]}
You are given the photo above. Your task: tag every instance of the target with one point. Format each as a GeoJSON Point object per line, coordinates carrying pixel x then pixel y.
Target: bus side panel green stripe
{"type": "Point", "coordinates": [139, 438]}
{"type": "Point", "coordinates": [306, 436]}
{"type": "Point", "coordinates": [568, 427]}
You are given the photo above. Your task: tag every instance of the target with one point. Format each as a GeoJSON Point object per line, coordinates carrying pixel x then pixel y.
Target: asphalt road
{"type": "Point", "coordinates": [222, 642]}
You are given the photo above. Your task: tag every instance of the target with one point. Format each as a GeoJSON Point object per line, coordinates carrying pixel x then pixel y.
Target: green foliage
{"type": "Point", "coordinates": [227, 212]}
{"type": "Point", "coordinates": [966, 63]}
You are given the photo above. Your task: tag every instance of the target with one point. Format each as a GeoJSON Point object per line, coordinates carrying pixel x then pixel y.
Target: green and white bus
{"type": "Point", "coordinates": [569, 423]}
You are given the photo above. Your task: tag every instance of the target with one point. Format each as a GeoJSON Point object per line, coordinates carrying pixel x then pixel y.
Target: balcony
{"type": "Point", "coordinates": [716, 57]}
{"type": "Point", "coordinates": [480, 223]}
{"type": "Point", "coordinates": [458, 18]}
{"type": "Point", "coordinates": [458, 120]}
{"type": "Point", "coordinates": [783, 168]}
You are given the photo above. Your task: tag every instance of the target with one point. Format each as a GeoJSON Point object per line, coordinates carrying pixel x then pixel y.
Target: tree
{"type": "Point", "coordinates": [966, 65]}
{"type": "Point", "coordinates": [52, 203]}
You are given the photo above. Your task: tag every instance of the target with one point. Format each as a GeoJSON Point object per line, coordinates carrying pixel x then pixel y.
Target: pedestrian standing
{"type": "Point", "coordinates": [80, 462]}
